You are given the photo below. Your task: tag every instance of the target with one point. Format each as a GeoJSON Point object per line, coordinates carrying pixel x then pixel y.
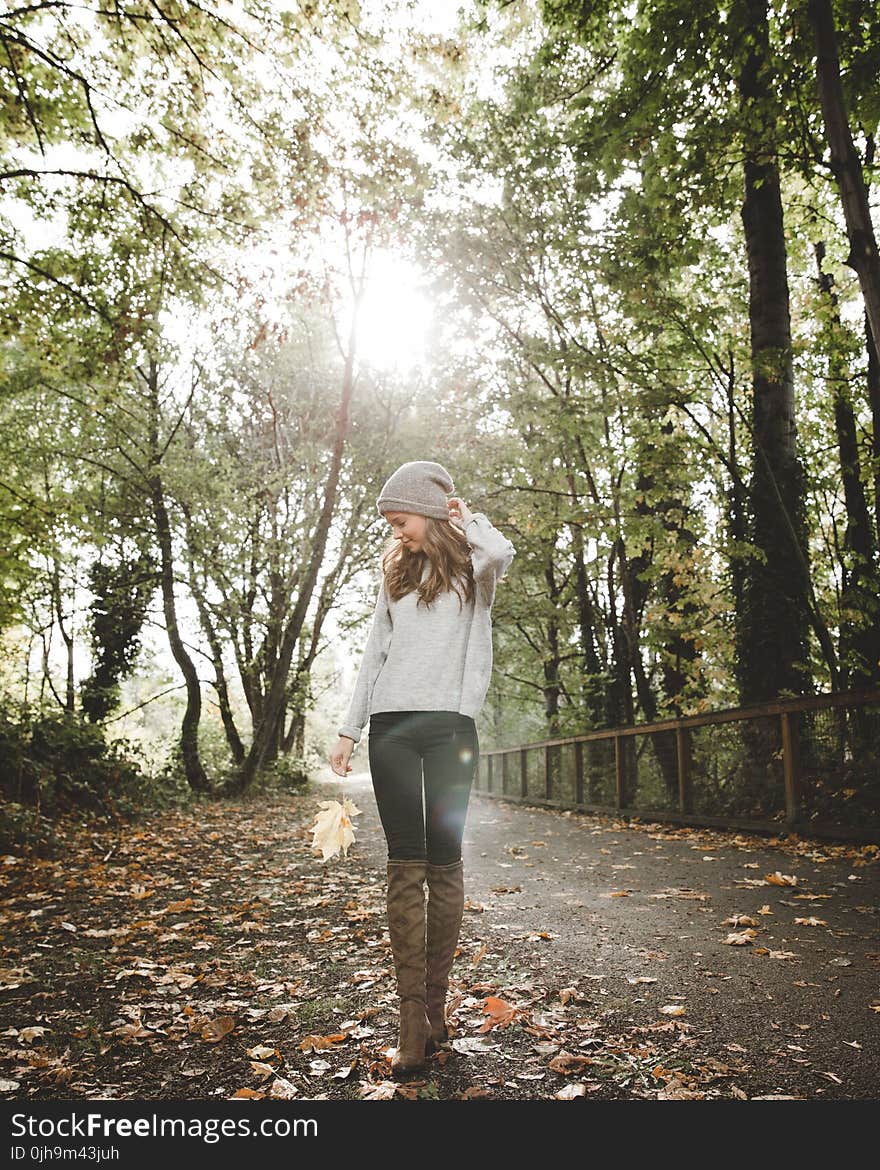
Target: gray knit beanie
{"type": "Point", "coordinates": [420, 486]}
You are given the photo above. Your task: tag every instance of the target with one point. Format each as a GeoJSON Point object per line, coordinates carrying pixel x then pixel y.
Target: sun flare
{"type": "Point", "coordinates": [394, 315]}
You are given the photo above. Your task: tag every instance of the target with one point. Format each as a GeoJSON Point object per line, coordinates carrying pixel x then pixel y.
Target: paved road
{"type": "Point", "coordinates": [624, 905]}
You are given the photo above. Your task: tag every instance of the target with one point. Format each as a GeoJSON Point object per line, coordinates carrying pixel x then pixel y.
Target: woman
{"type": "Point", "coordinates": [422, 682]}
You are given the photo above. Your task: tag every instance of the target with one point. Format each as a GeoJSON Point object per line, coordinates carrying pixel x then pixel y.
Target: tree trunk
{"type": "Point", "coordinates": [70, 690]}
{"type": "Point", "coordinates": [859, 650]}
{"type": "Point", "coordinates": [266, 728]}
{"type": "Point", "coordinates": [863, 256]}
{"type": "Point", "coordinates": [591, 668]}
{"type": "Point", "coordinates": [189, 733]}
{"type": "Point", "coordinates": [635, 594]}
{"type": "Point", "coordinates": [551, 652]}
{"type": "Point", "coordinates": [619, 707]}
{"type": "Point", "coordinates": [773, 651]}
{"type": "Point", "coordinates": [874, 402]}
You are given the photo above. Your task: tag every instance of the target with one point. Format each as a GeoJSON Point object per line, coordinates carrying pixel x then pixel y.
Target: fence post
{"type": "Point", "coordinates": [618, 772]}
{"type": "Point", "coordinates": [578, 771]}
{"type": "Point", "coordinates": [791, 768]}
{"type": "Point", "coordinates": [547, 771]}
{"type": "Point", "coordinates": [683, 751]}
{"type": "Point", "coordinates": [523, 774]}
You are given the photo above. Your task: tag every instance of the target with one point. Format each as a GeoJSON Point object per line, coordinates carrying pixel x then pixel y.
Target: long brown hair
{"type": "Point", "coordinates": [445, 546]}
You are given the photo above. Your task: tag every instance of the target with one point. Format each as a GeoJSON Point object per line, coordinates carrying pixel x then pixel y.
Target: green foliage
{"type": "Point", "coordinates": [122, 593]}
{"type": "Point", "coordinates": [284, 774]}
{"type": "Point", "coordinates": [24, 829]}
{"type": "Point", "coordinates": [53, 761]}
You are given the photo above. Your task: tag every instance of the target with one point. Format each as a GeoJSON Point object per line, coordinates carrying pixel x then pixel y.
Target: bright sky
{"type": "Point", "coordinates": [395, 314]}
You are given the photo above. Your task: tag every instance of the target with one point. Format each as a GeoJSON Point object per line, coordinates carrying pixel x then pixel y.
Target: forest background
{"type": "Point", "coordinates": [612, 264]}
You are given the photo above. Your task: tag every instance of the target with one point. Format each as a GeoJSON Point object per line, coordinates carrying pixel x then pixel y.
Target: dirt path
{"type": "Point", "coordinates": [210, 954]}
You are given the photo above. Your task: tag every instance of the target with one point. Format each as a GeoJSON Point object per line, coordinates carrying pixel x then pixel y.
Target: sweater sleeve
{"type": "Point", "coordinates": [491, 553]}
{"type": "Point", "coordinates": [374, 656]}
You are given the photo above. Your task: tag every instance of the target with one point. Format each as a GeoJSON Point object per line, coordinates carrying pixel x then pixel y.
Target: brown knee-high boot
{"type": "Point", "coordinates": [406, 928]}
{"type": "Point", "coordinates": [445, 910]}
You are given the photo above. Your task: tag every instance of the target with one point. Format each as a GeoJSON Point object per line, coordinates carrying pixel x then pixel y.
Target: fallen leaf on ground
{"type": "Point", "coordinates": [216, 1029]}
{"type": "Point", "coordinates": [743, 938]}
{"type": "Point", "coordinates": [571, 1090]}
{"type": "Point", "coordinates": [568, 1063]}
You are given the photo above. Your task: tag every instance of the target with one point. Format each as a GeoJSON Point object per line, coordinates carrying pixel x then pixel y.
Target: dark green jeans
{"type": "Point", "coordinates": [406, 748]}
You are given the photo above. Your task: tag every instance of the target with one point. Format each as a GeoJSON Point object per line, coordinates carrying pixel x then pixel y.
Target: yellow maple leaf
{"type": "Point", "coordinates": [332, 829]}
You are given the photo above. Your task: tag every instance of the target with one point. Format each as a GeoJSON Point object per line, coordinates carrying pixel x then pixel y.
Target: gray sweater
{"type": "Point", "coordinates": [434, 659]}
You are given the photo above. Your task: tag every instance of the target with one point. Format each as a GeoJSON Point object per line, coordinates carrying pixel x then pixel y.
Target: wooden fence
{"type": "Point", "coordinates": [808, 765]}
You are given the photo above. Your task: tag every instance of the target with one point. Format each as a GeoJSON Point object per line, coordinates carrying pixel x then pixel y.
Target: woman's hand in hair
{"type": "Point", "coordinates": [459, 512]}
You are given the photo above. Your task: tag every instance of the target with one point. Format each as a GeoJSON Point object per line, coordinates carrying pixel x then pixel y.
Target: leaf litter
{"type": "Point", "coordinates": [209, 954]}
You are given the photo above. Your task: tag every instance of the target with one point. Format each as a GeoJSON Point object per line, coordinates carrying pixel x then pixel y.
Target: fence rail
{"type": "Point", "coordinates": [809, 764]}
